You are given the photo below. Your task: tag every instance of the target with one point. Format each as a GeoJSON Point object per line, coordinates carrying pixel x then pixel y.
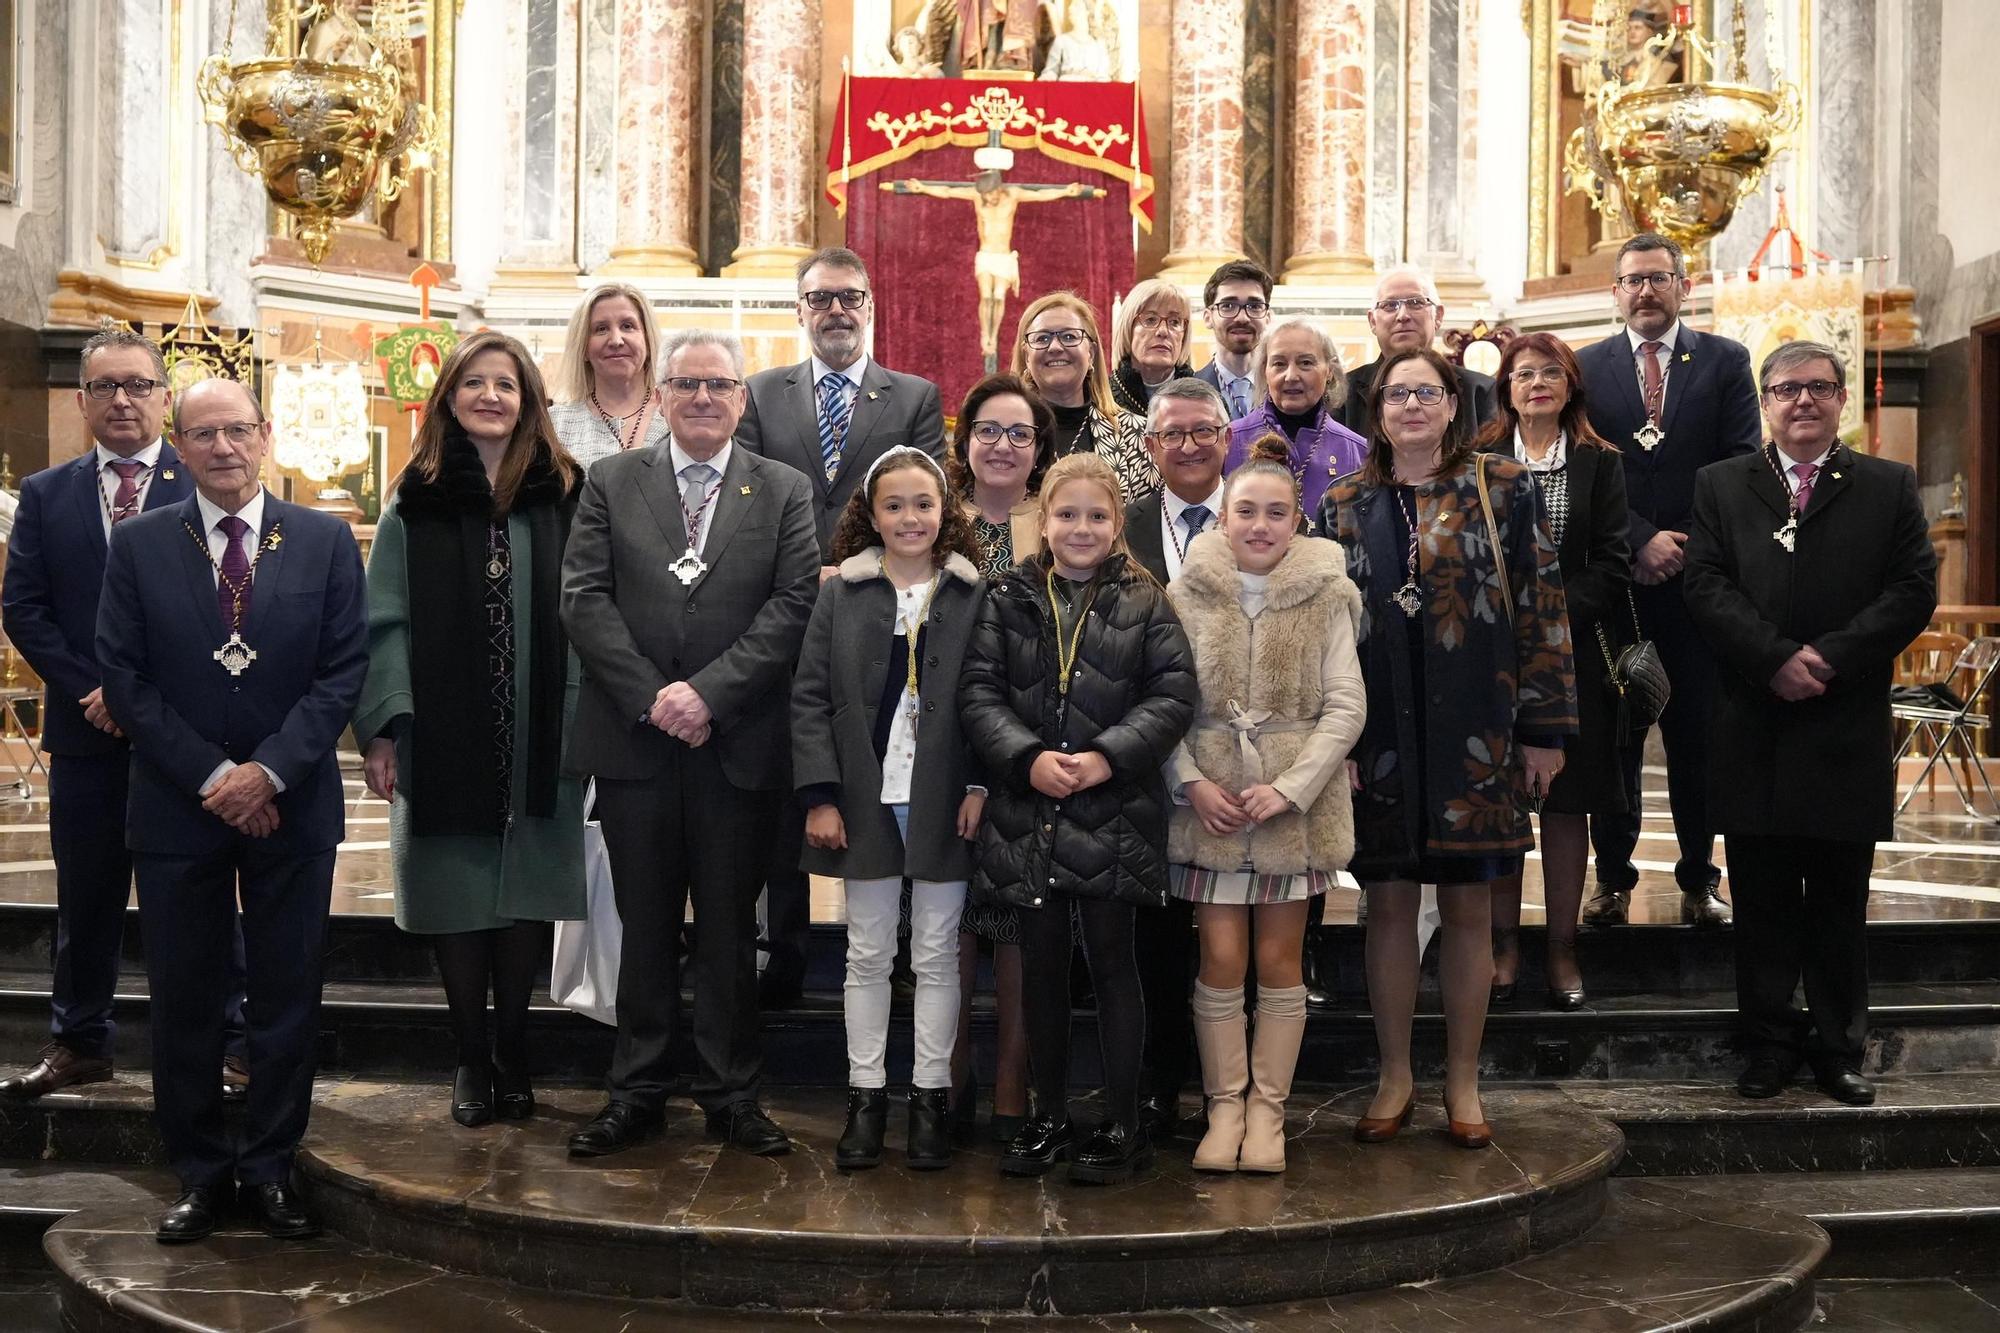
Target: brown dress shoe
{"type": "Point", "coordinates": [60, 1067]}
{"type": "Point", "coordinates": [1608, 907]}
{"type": "Point", "coordinates": [235, 1079]}
{"type": "Point", "coordinates": [1704, 908]}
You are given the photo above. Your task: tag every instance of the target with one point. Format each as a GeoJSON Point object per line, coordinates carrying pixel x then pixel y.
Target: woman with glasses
{"type": "Point", "coordinates": [1152, 337]}
{"type": "Point", "coordinates": [1300, 385]}
{"type": "Point", "coordinates": [607, 400]}
{"type": "Point", "coordinates": [1471, 694]}
{"type": "Point", "coordinates": [1061, 358]}
{"type": "Point", "coordinates": [1544, 426]}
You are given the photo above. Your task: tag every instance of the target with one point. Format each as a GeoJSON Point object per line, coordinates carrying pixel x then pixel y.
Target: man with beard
{"type": "Point", "coordinates": [1236, 305]}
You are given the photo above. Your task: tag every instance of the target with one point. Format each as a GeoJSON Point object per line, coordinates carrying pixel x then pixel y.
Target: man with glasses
{"type": "Point", "coordinates": [1408, 314]}
{"type": "Point", "coordinates": [1809, 569]}
{"type": "Point", "coordinates": [690, 573]}
{"type": "Point", "coordinates": [1236, 305]}
{"type": "Point", "coordinates": [1673, 401]}
{"type": "Point", "coordinates": [55, 572]}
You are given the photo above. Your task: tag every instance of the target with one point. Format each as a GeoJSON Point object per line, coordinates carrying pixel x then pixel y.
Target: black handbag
{"type": "Point", "coordinates": [1638, 679]}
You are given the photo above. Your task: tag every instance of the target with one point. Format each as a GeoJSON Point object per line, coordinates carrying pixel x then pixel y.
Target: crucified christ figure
{"type": "Point", "coordinates": [996, 266]}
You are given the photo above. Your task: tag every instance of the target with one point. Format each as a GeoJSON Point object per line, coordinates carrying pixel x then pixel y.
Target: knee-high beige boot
{"type": "Point", "coordinates": [1220, 1029]}
{"type": "Point", "coordinates": [1274, 1055]}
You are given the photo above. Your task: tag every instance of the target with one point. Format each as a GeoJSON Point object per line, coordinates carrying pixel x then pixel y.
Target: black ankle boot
{"type": "Point", "coordinates": [930, 1129]}
{"type": "Point", "coordinates": [867, 1121]}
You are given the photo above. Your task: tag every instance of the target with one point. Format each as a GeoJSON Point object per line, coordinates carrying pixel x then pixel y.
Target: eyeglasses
{"type": "Point", "coordinates": [1395, 305]}
{"type": "Point", "coordinates": [1174, 323]}
{"type": "Point", "coordinates": [992, 432]}
{"type": "Point", "coordinates": [1202, 436]}
{"type": "Point", "coordinates": [1786, 391]}
{"type": "Point", "coordinates": [236, 432]}
{"type": "Point", "coordinates": [1530, 374]}
{"type": "Point", "coordinates": [850, 298]}
{"type": "Point", "coordinates": [1430, 395]}
{"type": "Point", "coordinates": [1231, 307]}
{"type": "Point", "coordinates": [134, 389]}
{"type": "Point", "coordinates": [1041, 338]}
{"type": "Point", "coordinates": [687, 386]}
{"type": "Point", "coordinates": [1638, 282]}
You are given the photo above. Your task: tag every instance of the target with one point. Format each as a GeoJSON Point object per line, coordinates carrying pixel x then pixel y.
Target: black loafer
{"type": "Point", "coordinates": [1039, 1145]}
{"type": "Point", "coordinates": [860, 1145]}
{"type": "Point", "coordinates": [193, 1216]}
{"type": "Point", "coordinates": [1765, 1077]}
{"type": "Point", "coordinates": [281, 1211]}
{"type": "Point", "coordinates": [1845, 1084]}
{"type": "Point", "coordinates": [1112, 1154]}
{"type": "Point", "coordinates": [743, 1125]}
{"type": "Point", "coordinates": [620, 1125]}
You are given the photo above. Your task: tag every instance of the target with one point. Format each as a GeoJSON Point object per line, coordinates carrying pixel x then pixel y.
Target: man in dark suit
{"type": "Point", "coordinates": [1809, 568]}
{"type": "Point", "coordinates": [829, 417]}
{"type": "Point", "coordinates": [55, 570]}
{"type": "Point", "coordinates": [1408, 314]}
{"type": "Point", "coordinates": [1674, 401]}
{"type": "Point", "coordinates": [234, 643]}
{"type": "Point", "coordinates": [690, 574]}
{"type": "Point", "coordinates": [1236, 305]}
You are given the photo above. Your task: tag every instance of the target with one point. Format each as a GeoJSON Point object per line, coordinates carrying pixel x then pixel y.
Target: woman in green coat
{"type": "Point", "coordinates": [471, 684]}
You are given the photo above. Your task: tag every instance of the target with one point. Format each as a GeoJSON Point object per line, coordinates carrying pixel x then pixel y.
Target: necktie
{"type": "Point", "coordinates": [1239, 406]}
{"type": "Point", "coordinates": [126, 502]}
{"type": "Point", "coordinates": [1656, 382]}
{"type": "Point", "coordinates": [695, 479]}
{"type": "Point", "coordinates": [1196, 517]}
{"type": "Point", "coordinates": [834, 411]}
{"type": "Point", "coordinates": [1805, 472]}
{"type": "Point", "coordinates": [232, 590]}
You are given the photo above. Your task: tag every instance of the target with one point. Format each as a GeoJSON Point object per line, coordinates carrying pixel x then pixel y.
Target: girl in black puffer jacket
{"type": "Point", "coordinates": [1078, 683]}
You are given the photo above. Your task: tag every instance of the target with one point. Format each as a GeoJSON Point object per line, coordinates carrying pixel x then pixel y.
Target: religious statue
{"type": "Point", "coordinates": [1648, 60]}
{"type": "Point", "coordinates": [996, 267]}
{"type": "Point", "coordinates": [1078, 53]}
{"type": "Point", "coordinates": [982, 35]}
{"type": "Point", "coordinates": [911, 58]}
{"type": "Point", "coordinates": [338, 38]}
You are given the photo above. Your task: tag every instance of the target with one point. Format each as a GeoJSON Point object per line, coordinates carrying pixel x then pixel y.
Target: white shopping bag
{"type": "Point", "coordinates": [584, 975]}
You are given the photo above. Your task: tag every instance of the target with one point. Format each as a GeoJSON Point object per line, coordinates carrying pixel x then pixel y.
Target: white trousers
{"type": "Point", "coordinates": [873, 911]}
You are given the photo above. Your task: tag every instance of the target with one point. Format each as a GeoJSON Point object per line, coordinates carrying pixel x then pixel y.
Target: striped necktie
{"type": "Point", "coordinates": [834, 413]}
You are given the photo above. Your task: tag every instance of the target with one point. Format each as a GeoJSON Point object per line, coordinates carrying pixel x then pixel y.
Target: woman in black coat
{"type": "Point", "coordinates": [1078, 684]}
{"type": "Point", "coordinates": [1543, 423]}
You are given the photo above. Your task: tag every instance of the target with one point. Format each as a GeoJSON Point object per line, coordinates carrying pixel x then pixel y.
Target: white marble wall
{"type": "Point", "coordinates": [1843, 78]}
{"type": "Point", "coordinates": [135, 189]}
{"type": "Point", "coordinates": [1385, 152]}
{"type": "Point", "coordinates": [235, 215]}
{"type": "Point", "coordinates": [540, 190]}
{"type": "Point", "coordinates": [597, 203]}
{"type": "Point", "coordinates": [32, 243]}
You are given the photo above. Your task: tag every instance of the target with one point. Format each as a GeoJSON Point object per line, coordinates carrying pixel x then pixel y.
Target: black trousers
{"type": "Point", "coordinates": [787, 889]}
{"type": "Point", "coordinates": [188, 910]}
{"type": "Point", "coordinates": [1114, 976]}
{"type": "Point", "coordinates": [1664, 618]}
{"type": "Point", "coordinates": [1165, 945]}
{"type": "Point", "coordinates": [1801, 911]}
{"type": "Point", "coordinates": [687, 833]}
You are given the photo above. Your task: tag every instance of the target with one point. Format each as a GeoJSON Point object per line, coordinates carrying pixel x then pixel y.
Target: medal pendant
{"type": "Point", "coordinates": [235, 655]}
{"type": "Point", "coordinates": [1788, 535]}
{"type": "Point", "coordinates": [495, 567]}
{"type": "Point", "coordinates": [688, 568]}
{"type": "Point", "coordinates": [1648, 436]}
{"type": "Point", "coordinates": [1408, 600]}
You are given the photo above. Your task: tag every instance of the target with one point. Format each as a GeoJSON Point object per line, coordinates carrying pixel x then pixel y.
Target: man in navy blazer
{"type": "Point", "coordinates": [234, 643]}
{"type": "Point", "coordinates": [1674, 401]}
{"type": "Point", "coordinates": [55, 568]}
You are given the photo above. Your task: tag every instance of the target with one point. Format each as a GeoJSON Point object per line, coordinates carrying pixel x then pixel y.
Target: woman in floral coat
{"type": "Point", "coordinates": [1466, 654]}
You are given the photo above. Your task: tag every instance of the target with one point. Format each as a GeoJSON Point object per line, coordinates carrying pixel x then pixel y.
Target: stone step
{"type": "Point", "coordinates": [1916, 1305]}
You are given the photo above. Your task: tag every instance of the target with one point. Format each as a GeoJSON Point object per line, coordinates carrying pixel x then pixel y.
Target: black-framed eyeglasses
{"type": "Point", "coordinates": [992, 432]}
{"type": "Point", "coordinates": [1786, 391]}
{"type": "Point", "coordinates": [1203, 436]}
{"type": "Point", "coordinates": [687, 386]}
{"type": "Point", "coordinates": [236, 432]}
{"type": "Point", "coordinates": [1430, 395]}
{"type": "Point", "coordinates": [1638, 282]}
{"type": "Point", "coordinates": [1230, 307]}
{"type": "Point", "coordinates": [850, 298]}
{"type": "Point", "coordinates": [1395, 305]}
{"type": "Point", "coordinates": [1041, 338]}
{"type": "Point", "coordinates": [134, 388]}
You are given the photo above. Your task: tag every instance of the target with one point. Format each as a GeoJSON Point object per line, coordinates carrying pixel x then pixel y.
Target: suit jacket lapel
{"type": "Point", "coordinates": [199, 568]}
{"type": "Point", "coordinates": [268, 562]}
{"type": "Point", "coordinates": [737, 492]}
{"type": "Point", "coordinates": [871, 402]}
{"type": "Point", "coordinates": [661, 490]}
{"type": "Point", "coordinates": [1831, 483]}
{"type": "Point", "coordinates": [1628, 365]}
{"type": "Point", "coordinates": [1142, 533]}
{"type": "Point", "coordinates": [1767, 486]}
{"type": "Point", "coordinates": [88, 493]}
{"type": "Point", "coordinates": [805, 414]}
{"type": "Point", "coordinates": [170, 483]}
{"type": "Point", "coordinates": [1680, 379]}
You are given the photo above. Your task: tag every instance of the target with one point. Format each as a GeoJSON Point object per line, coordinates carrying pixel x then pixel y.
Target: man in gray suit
{"type": "Point", "coordinates": [829, 416]}
{"type": "Point", "coordinates": [690, 573]}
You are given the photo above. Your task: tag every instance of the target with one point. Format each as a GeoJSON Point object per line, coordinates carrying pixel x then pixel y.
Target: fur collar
{"type": "Point", "coordinates": [461, 486]}
{"type": "Point", "coordinates": [1311, 565]}
{"type": "Point", "coordinates": [868, 565]}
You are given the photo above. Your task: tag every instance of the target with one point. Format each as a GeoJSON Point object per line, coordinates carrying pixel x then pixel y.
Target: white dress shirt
{"type": "Point", "coordinates": [1227, 384]}
{"type": "Point", "coordinates": [900, 760]}
{"type": "Point", "coordinates": [681, 459]}
{"type": "Point", "coordinates": [1667, 341]}
{"type": "Point", "coordinates": [1174, 536]}
{"type": "Point", "coordinates": [1786, 463]}
{"type": "Point", "coordinates": [851, 374]}
{"type": "Point", "coordinates": [107, 480]}
{"type": "Point", "coordinates": [212, 515]}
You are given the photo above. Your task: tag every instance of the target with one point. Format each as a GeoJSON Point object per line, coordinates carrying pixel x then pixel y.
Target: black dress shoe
{"type": "Point", "coordinates": [472, 1096]}
{"type": "Point", "coordinates": [860, 1143]}
{"type": "Point", "coordinates": [1160, 1113]}
{"type": "Point", "coordinates": [1112, 1154]}
{"type": "Point", "coordinates": [193, 1216]}
{"type": "Point", "coordinates": [281, 1211]}
{"type": "Point", "coordinates": [930, 1132]}
{"type": "Point", "coordinates": [513, 1097]}
{"type": "Point", "coordinates": [1844, 1083]}
{"type": "Point", "coordinates": [58, 1067]}
{"type": "Point", "coordinates": [235, 1079]}
{"type": "Point", "coordinates": [620, 1125]}
{"type": "Point", "coordinates": [1766, 1076]}
{"type": "Point", "coordinates": [1704, 908]}
{"type": "Point", "coordinates": [744, 1125]}
{"type": "Point", "coordinates": [1040, 1144]}
{"type": "Point", "coordinates": [1501, 995]}
{"type": "Point", "coordinates": [1607, 907]}
{"type": "Point", "coordinates": [1565, 1001]}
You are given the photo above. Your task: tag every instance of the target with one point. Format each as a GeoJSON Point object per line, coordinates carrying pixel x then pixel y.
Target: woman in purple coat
{"type": "Point", "coordinates": [1300, 385]}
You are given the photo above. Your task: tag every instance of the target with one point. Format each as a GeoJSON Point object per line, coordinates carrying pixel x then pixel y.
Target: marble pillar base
{"type": "Point", "coordinates": [535, 277]}
{"type": "Point", "coordinates": [1191, 268]}
{"type": "Point", "coordinates": [82, 299]}
{"type": "Point", "coordinates": [652, 261]}
{"type": "Point", "coordinates": [1320, 264]}
{"type": "Point", "coordinates": [765, 261]}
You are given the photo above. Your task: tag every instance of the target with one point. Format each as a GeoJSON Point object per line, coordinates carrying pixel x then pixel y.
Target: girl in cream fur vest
{"type": "Point", "coordinates": [1263, 813]}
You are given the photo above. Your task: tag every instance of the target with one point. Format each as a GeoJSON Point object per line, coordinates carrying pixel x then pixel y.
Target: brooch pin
{"type": "Point", "coordinates": [1687, 356]}
{"type": "Point", "coordinates": [871, 395]}
{"type": "Point", "coordinates": [271, 542]}
{"type": "Point", "coordinates": [166, 474]}
{"type": "Point", "coordinates": [746, 490]}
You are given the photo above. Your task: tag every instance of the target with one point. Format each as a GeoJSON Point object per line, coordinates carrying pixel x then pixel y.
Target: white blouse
{"type": "Point", "coordinates": [899, 761]}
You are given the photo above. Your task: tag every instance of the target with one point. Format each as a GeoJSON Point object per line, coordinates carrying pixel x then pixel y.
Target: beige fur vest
{"type": "Point", "coordinates": [1272, 665]}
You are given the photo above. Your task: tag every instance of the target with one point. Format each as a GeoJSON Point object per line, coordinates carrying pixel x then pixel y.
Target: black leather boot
{"type": "Point", "coordinates": [930, 1129]}
{"type": "Point", "coordinates": [860, 1143]}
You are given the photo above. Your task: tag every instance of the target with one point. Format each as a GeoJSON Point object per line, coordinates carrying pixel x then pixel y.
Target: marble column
{"type": "Point", "coordinates": [1205, 206]}
{"type": "Point", "coordinates": [658, 138]}
{"type": "Point", "coordinates": [538, 197]}
{"type": "Point", "coordinates": [1329, 140]}
{"type": "Point", "coordinates": [781, 57]}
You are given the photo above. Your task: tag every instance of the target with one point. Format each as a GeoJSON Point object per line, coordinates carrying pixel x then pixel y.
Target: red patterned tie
{"type": "Point", "coordinates": [1655, 382]}
{"type": "Point", "coordinates": [235, 580]}
{"type": "Point", "coordinates": [126, 502]}
{"type": "Point", "coordinates": [1805, 472]}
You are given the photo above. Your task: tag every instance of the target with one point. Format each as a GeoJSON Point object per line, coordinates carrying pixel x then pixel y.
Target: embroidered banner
{"type": "Point", "coordinates": [1820, 303]}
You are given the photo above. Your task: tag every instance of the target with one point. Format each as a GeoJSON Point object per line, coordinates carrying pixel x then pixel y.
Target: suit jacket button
{"type": "Point", "coordinates": [931, 707]}
{"type": "Point", "coordinates": [932, 660]}
{"type": "Point", "coordinates": [690, 608]}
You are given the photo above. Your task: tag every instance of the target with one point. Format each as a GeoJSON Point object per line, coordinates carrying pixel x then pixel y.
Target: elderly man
{"type": "Point", "coordinates": [690, 574]}
{"type": "Point", "coordinates": [1809, 568]}
{"type": "Point", "coordinates": [829, 417]}
{"type": "Point", "coordinates": [1674, 401]}
{"type": "Point", "coordinates": [1408, 314]}
{"type": "Point", "coordinates": [1236, 305]}
{"type": "Point", "coordinates": [55, 571]}
{"type": "Point", "coordinates": [234, 644]}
